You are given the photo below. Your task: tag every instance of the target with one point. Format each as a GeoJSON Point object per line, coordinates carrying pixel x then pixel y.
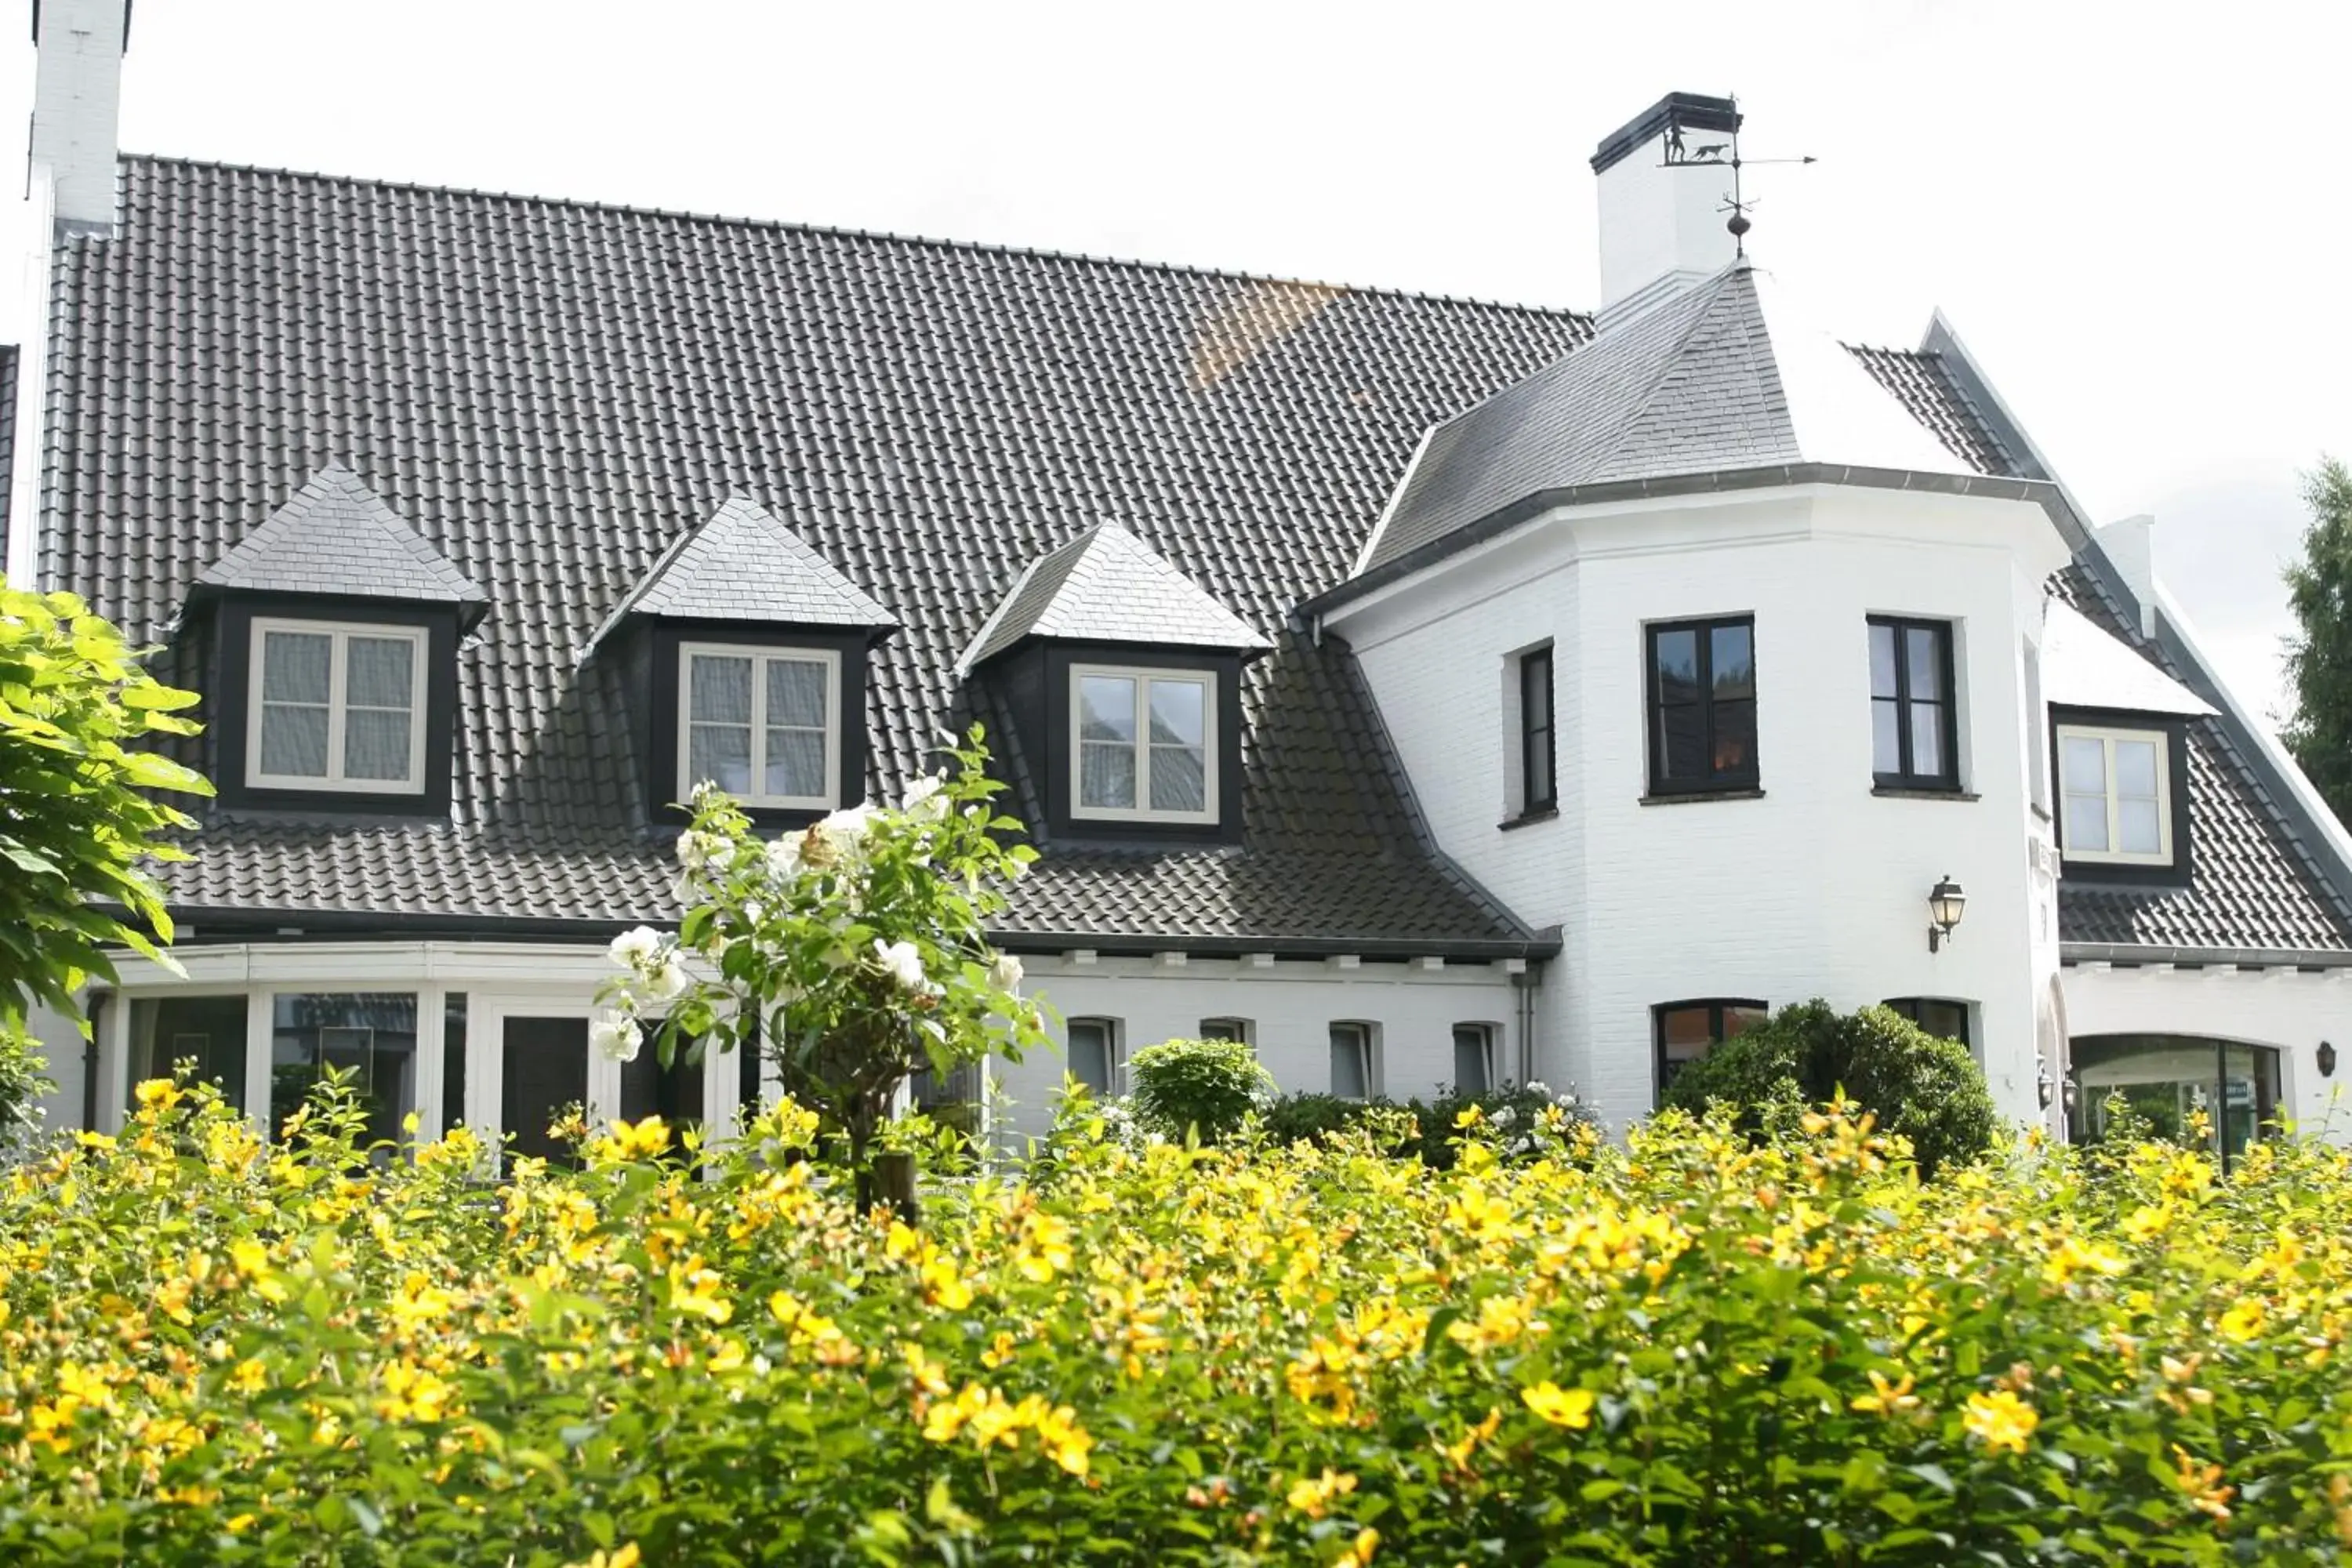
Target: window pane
{"type": "Point", "coordinates": [2086, 822]}
{"type": "Point", "coordinates": [293, 741]}
{"type": "Point", "coordinates": [1470, 1066]}
{"type": "Point", "coordinates": [1535, 690]}
{"type": "Point", "coordinates": [295, 666]}
{"type": "Point", "coordinates": [1682, 741]}
{"type": "Point", "coordinates": [380, 671]}
{"type": "Point", "coordinates": [1347, 1065]}
{"type": "Point", "coordinates": [795, 763]}
{"type": "Point", "coordinates": [1885, 737]}
{"type": "Point", "coordinates": [1734, 664]}
{"type": "Point", "coordinates": [369, 1035]}
{"type": "Point", "coordinates": [720, 755]}
{"type": "Point", "coordinates": [1237, 1029]}
{"type": "Point", "coordinates": [2136, 770]}
{"type": "Point", "coordinates": [2136, 827]}
{"type": "Point", "coordinates": [375, 743]}
{"type": "Point", "coordinates": [542, 1072]}
{"type": "Point", "coordinates": [1538, 774]}
{"type": "Point", "coordinates": [1106, 777]}
{"type": "Point", "coordinates": [1922, 644]}
{"type": "Point", "coordinates": [208, 1030]}
{"type": "Point", "coordinates": [1882, 661]}
{"type": "Point", "coordinates": [1675, 655]}
{"type": "Point", "coordinates": [2082, 765]}
{"type": "Point", "coordinates": [1090, 1054]}
{"type": "Point", "coordinates": [1176, 713]}
{"type": "Point", "coordinates": [1105, 708]}
{"type": "Point", "coordinates": [1686, 1031]}
{"type": "Point", "coordinates": [1179, 779]}
{"type": "Point", "coordinates": [1738, 1020]}
{"type": "Point", "coordinates": [719, 692]}
{"type": "Point", "coordinates": [1735, 737]}
{"type": "Point", "coordinates": [796, 693]}
{"type": "Point", "coordinates": [453, 1060]}
{"type": "Point", "coordinates": [1945, 1020]}
{"type": "Point", "coordinates": [1928, 739]}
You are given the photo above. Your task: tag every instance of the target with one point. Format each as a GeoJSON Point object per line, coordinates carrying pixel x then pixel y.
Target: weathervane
{"type": "Point", "coordinates": [1723, 155]}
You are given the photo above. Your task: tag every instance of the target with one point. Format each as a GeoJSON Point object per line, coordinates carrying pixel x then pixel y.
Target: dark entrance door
{"type": "Point", "coordinates": [545, 1073]}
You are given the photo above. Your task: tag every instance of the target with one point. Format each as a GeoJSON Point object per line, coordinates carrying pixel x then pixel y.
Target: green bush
{"type": "Point", "coordinates": [1307, 1115]}
{"type": "Point", "coordinates": [1929, 1090]}
{"type": "Point", "coordinates": [1204, 1085]}
{"type": "Point", "coordinates": [1694, 1348]}
{"type": "Point", "coordinates": [1515, 1121]}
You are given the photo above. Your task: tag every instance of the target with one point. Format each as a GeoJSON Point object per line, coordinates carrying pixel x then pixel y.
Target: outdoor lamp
{"type": "Point", "coordinates": [2326, 1059]}
{"type": "Point", "coordinates": [1945, 902]}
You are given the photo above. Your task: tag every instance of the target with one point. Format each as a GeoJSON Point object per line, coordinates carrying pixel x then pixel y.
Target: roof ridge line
{"type": "Point", "coordinates": [894, 237]}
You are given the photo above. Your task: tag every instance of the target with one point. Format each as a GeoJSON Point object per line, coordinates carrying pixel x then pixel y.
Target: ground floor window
{"type": "Point", "coordinates": [1473, 1059]}
{"type": "Point", "coordinates": [1351, 1061]}
{"type": "Point", "coordinates": [1094, 1053]}
{"type": "Point", "coordinates": [2169, 1079]}
{"type": "Point", "coordinates": [371, 1036]}
{"type": "Point", "coordinates": [1238, 1030]}
{"type": "Point", "coordinates": [1687, 1031]}
{"type": "Point", "coordinates": [1944, 1019]}
{"type": "Point", "coordinates": [206, 1030]}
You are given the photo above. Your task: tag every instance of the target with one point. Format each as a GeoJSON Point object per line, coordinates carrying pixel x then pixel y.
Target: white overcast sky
{"type": "Point", "coordinates": [2138, 224]}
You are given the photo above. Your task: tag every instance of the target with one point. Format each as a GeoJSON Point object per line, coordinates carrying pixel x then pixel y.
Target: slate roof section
{"type": "Point", "coordinates": [336, 536]}
{"type": "Point", "coordinates": [2253, 887]}
{"type": "Point", "coordinates": [1725, 376]}
{"type": "Point", "coordinates": [553, 392]}
{"type": "Point", "coordinates": [743, 564]}
{"type": "Point", "coordinates": [1107, 586]}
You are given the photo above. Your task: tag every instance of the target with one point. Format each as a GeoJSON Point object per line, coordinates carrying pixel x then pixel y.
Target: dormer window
{"type": "Point", "coordinates": [337, 706]}
{"type": "Point", "coordinates": [761, 723]}
{"type": "Point", "coordinates": [1143, 744]}
{"type": "Point", "coordinates": [2115, 791]}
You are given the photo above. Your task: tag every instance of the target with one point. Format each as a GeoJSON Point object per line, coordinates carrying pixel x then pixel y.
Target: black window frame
{"type": "Point", "coordinates": [1909, 1008]}
{"type": "Point", "coordinates": [1714, 781]}
{"type": "Point", "coordinates": [1537, 739]}
{"type": "Point", "coordinates": [1907, 777]}
{"type": "Point", "coordinates": [1715, 1005]}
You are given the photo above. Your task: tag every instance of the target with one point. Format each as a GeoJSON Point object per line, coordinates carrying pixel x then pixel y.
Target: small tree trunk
{"type": "Point", "coordinates": [894, 1183]}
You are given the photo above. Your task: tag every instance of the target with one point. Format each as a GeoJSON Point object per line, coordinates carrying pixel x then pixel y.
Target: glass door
{"type": "Point", "coordinates": [542, 1078]}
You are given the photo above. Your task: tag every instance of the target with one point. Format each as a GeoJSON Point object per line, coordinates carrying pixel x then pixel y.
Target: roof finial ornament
{"type": "Point", "coordinates": [1721, 154]}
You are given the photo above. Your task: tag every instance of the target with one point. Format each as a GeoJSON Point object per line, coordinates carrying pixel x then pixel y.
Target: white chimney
{"type": "Point", "coordinates": [2130, 543]}
{"type": "Point", "coordinates": [77, 99]}
{"type": "Point", "coordinates": [1664, 177]}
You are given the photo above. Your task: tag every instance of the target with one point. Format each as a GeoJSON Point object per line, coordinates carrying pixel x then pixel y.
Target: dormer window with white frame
{"type": "Point", "coordinates": [337, 706]}
{"type": "Point", "coordinates": [1143, 744]}
{"type": "Point", "coordinates": [761, 723]}
{"type": "Point", "coordinates": [2115, 796]}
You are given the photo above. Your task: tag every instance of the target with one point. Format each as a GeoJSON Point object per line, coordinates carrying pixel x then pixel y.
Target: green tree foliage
{"type": "Point", "coordinates": [1929, 1090]}
{"type": "Point", "coordinates": [1203, 1086]}
{"type": "Point", "coordinates": [2319, 651]}
{"type": "Point", "coordinates": [78, 820]}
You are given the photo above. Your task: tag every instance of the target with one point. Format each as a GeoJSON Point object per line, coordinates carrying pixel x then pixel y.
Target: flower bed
{"type": "Point", "coordinates": [1685, 1350]}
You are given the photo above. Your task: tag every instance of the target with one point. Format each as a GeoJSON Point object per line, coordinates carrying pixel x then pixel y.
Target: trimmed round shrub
{"type": "Point", "coordinates": [1210, 1086]}
{"type": "Point", "coordinates": [1929, 1090]}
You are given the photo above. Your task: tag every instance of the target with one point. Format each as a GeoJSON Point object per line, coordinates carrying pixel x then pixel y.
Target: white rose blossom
{"type": "Point", "coordinates": [784, 857]}
{"type": "Point", "coordinates": [636, 947]}
{"type": "Point", "coordinates": [696, 848]}
{"type": "Point", "coordinates": [926, 799]}
{"type": "Point", "coordinates": [848, 825]}
{"type": "Point", "coordinates": [665, 980]}
{"type": "Point", "coordinates": [1005, 972]}
{"type": "Point", "coordinates": [616, 1034]}
{"type": "Point", "coordinates": [903, 961]}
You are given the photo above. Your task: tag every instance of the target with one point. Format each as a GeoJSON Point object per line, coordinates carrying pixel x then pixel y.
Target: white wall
{"type": "Point", "coordinates": [2284, 1008]}
{"type": "Point", "coordinates": [59, 1039]}
{"type": "Point", "coordinates": [1291, 1002]}
{"type": "Point", "coordinates": [1819, 887]}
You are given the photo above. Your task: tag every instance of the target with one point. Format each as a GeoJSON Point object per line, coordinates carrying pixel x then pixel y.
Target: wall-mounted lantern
{"type": "Point", "coordinates": [1945, 903]}
{"type": "Point", "coordinates": [2326, 1059]}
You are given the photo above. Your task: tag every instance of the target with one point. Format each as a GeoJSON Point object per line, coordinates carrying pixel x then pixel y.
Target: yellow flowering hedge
{"type": "Point", "coordinates": [1686, 1350]}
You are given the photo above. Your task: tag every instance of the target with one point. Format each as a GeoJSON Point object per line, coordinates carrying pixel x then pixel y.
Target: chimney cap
{"type": "Point", "coordinates": [126, 24]}
{"type": "Point", "coordinates": [1690, 110]}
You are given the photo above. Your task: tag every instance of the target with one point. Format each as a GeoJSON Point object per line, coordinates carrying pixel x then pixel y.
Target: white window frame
{"type": "Point", "coordinates": [1488, 1035]}
{"type": "Point", "coordinates": [338, 705]}
{"type": "Point", "coordinates": [1144, 676]}
{"type": "Point", "coordinates": [1244, 1031]}
{"type": "Point", "coordinates": [2107, 735]}
{"type": "Point", "coordinates": [1367, 1036]}
{"type": "Point", "coordinates": [1114, 1050]}
{"type": "Point", "coordinates": [759, 655]}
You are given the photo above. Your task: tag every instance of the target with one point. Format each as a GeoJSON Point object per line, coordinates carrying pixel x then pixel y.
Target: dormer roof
{"type": "Point", "coordinates": [336, 536]}
{"type": "Point", "coordinates": [2084, 667]}
{"type": "Point", "coordinates": [1108, 586]}
{"type": "Point", "coordinates": [743, 564]}
{"type": "Point", "coordinates": [1727, 376]}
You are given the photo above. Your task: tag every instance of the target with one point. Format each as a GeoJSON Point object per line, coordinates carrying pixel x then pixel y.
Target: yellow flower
{"type": "Point", "coordinates": [2243, 1321]}
{"type": "Point", "coordinates": [1044, 1248]}
{"type": "Point", "coordinates": [2074, 1256]}
{"type": "Point", "coordinates": [1064, 1442]}
{"type": "Point", "coordinates": [249, 1256]}
{"type": "Point", "coordinates": [1458, 1454]}
{"type": "Point", "coordinates": [412, 1394]}
{"type": "Point", "coordinates": [1501, 1321]}
{"type": "Point", "coordinates": [2200, 1483]}
{"type": "Point", "coordinates": [249, 1376]}
{"type": "Point", "coordinates": [1313, 1497]}
{"type": "Point", "coordinates": [694, 1290]}
{"type": "Point", "coordinates": [1468, 1116]}
{"type": "Point", "coordinates": [1570, 1407]}
{"type": "Point", "coordinates": [2001, 1420]}
{"type": "Point", "coordinates": [158, 1095]}
{"type": "Point", "coordinates": [1886, 1398]}
{"type": "Point", "coordinates": [929, 1376]}
{"type": "Point", "coordinates": [646, 1140]}
{"type": "Point", "coordinates": [1359, 1552]}
{"type": "Point", "coordinates": [622, 1557]}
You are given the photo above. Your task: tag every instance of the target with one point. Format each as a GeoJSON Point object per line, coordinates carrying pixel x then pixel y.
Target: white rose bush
{"type": "Point", "coordinates": [851, 953]}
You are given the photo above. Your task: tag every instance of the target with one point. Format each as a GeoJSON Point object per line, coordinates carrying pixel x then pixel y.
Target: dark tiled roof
{"type": "Point", "coordinates": [745, 565]}
{"type": "Point", "coordinates": [334, 535]}
{"type": "Point", "coordinates": [553, 393]}
{"type": "Point", "coordinates": [1107, 586]}
{"type": "Point", "coordinates": [2253, 887]}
